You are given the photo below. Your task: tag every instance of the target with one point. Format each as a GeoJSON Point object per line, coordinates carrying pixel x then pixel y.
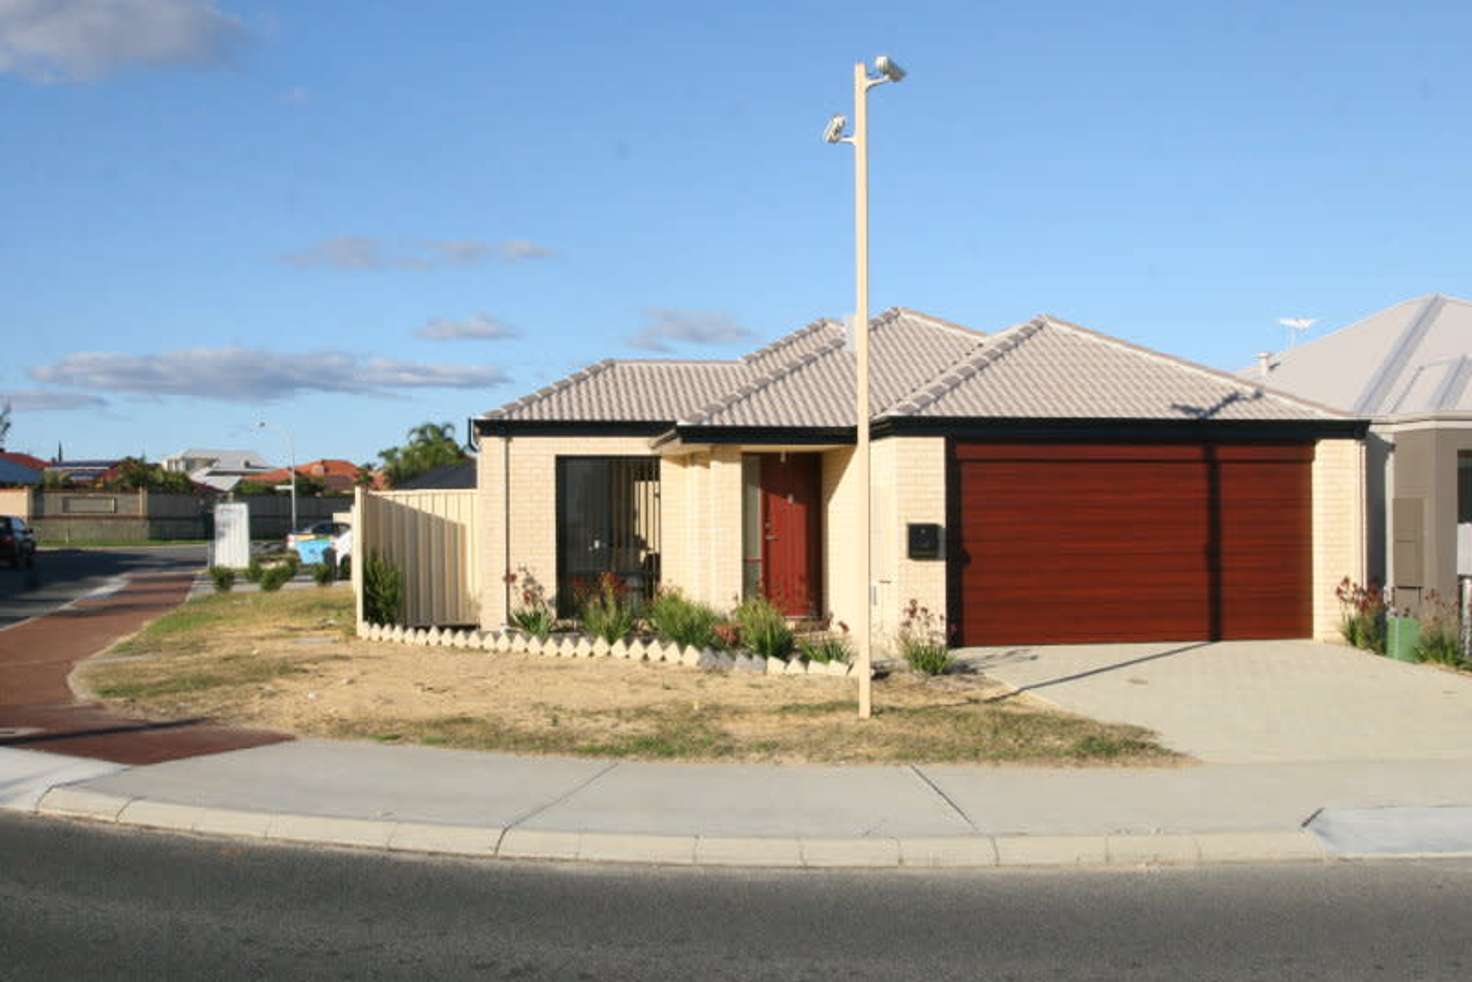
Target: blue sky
{"type": "Point", "coordinates": [220, 212]}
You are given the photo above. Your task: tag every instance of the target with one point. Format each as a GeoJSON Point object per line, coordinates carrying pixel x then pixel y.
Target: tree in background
{"type": "Point", "coordinates": [4, 423]}
{"type": "Point", "coordinates": [364, 477]}
{"type": "Point", "coordinates": [133, 473]}
{"type": "Point", "coordinates": [430, 445]}
{"type": "Point", "coordinates": [306, 487]}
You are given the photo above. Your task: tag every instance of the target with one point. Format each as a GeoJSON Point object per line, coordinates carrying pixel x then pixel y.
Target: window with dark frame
{"type": "Point", "coordinates": [607, 522]}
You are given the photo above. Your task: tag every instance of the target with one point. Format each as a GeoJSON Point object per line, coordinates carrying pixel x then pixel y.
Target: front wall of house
{"type": "Point", "coordinates": [908, 485]}
{"type": "Point", "coordinates": [1338, 478]}
{"type": "Point", "coordinates": [1422, 509]}
{"type": "Point", "coordinates": [700, 538]}
{"type": "Point", "coordinates": [533, 508]}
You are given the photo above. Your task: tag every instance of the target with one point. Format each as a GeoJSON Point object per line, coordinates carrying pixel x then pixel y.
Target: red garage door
{"type": "Point", "coordinates": [1068, 543]}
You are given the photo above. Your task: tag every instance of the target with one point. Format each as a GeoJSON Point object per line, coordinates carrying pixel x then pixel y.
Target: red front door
{"type": "Point", "coordinates": [792, 495]}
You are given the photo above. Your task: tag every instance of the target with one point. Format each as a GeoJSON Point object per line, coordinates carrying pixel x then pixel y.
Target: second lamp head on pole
{"type": "Point", "coordinates": [885, 69]}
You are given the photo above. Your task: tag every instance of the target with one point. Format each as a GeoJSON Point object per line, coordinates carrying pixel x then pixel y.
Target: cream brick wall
{"type": "Point", "coordinates": [533, 508]}
{"type": "Point", "coordinates": [701, 532]}
{"type": "Point", "coordinates": [1338, 479]}
{"type": "Point", "coordinates": [908, 476]}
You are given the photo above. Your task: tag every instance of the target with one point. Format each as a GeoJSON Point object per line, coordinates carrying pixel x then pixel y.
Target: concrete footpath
{"type": "Point", "coordinates": [495, 805]}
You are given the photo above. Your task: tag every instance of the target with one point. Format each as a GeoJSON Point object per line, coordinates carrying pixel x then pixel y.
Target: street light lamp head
{"type": "Point", "coordinates": [833, 132]}
{"type": "Point", "coordinates": [886, 67]}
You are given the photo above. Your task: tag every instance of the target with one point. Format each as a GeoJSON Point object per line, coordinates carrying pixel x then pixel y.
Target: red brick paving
{"type": "Point", "coordinates": [39, 712]}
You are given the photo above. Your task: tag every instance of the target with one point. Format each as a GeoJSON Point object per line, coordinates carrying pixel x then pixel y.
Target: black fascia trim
{"type": "Point", "coordinates": [1120, 429]}
{"type": "Point", "coordinates": [791, 435]}
{"type": "Point", "coordinates": [568, 427]}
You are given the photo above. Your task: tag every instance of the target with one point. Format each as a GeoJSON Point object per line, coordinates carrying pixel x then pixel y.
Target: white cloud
{"type": "Point", "coordinates": [477, 327]}
{"type": "Point", "coordinates": [253, 375]}
{"type": "Point", "coordinates": [662, 326]}
{"type": "Point", "coordinates": [45, 400]}
{"type": "Point", "coordinates": [81, 40]}
{"type": "Point", "coordinates": [366, 252]}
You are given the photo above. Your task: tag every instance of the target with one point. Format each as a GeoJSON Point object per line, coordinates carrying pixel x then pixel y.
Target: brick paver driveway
{"type": "Point", "coordinates": [37, 708]}
{"type": "Point", "coordinates": [1252, 701]}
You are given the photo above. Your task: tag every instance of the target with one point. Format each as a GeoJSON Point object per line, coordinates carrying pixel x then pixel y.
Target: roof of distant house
{"type": "Point", "coordinates": [1412, 358]}
{"type": "Point", "coordinates": [13, 472]}
{"type": "Point", "coordinates": [23, 459]}
{"type": "Point", "coordinates": [920, 367]}
{"type": "Point", "coordinates": [449, 477]}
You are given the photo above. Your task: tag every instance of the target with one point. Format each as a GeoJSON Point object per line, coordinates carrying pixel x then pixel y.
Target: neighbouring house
{"type": "Point", "coordinates": [20, 468]}
{"type": "Point", "coordinates": [1407, 368]}
{"type": "Point", "coordinates": [449, 477]}
{"type": "Point", "coordinates": [1042, 484]}
{"type": "Point", "coordinates": [218, 470]}
{"type": "Point", "coordinates": [12, 473]}
{"type": "Point", "coordinates": [81, 472]}
{"type": "Point", "coordinates": [337, 476]}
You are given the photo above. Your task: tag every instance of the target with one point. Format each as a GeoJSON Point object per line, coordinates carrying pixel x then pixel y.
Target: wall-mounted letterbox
{"type": "Point", "coordinates": [924, 540]}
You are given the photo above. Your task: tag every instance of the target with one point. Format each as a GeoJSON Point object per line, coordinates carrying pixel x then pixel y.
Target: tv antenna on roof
{"type": "Point", "coordinates": [1297, 326]}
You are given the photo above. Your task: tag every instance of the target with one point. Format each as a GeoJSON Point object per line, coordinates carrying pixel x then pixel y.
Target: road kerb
{"type": "Point", "coordinates": [850, 853]}
{"type": "Point", "coordinates": [1149, 850]}
{"type": "Point", "coordinates": [747, 851]}
{"type": "Point", "coordinates": [461, 840]}
{"type": "Point", "coordinates": [953, 851]}
{"type": "Point", "coordinates": [82, 803]}
{"type": "Point", "coordinates": [328, 830]}
{"type": "Point", "coordinates": [1051, 850]}
{"type": "Point", "coordinates": [1261, 847]}
{"type": "Point", "coordinates": [934, 852]}
{"type": "Point", "coordinates": [160, 815]}
{"type": "Point", "coordinates": [609, 847]}
{"type": "Point", "coordinates": [520, 843]}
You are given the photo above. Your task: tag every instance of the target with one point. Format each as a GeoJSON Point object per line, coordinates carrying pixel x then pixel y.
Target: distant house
{"type": "Point", "coordinates": [14, 471]}
{"type": "Point", "coordinates": [81, 471]}
{"type": "Point", "coordinates": [1409, 369]}
{"type": "Point", "coordinates": [219, 470]}
{"type": "Point", "coordinates": [24, 460]}
{"type": "Point", "coordinates": [337, 475]}
{"type": "Point", "coordinates": [450, 477]}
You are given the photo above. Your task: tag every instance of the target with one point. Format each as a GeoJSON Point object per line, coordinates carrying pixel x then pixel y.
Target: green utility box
{"type": "Point", "coordinates": [1402, 635]}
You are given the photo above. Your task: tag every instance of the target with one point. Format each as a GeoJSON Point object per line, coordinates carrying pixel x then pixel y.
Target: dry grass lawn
{"type": "Point", "coordinates": [287, 661]}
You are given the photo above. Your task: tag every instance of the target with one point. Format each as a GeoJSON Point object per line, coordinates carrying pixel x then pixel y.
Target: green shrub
{"type": "Point", "coordinates": [383, 590]}
{"type": "Point", "coordinates": [324, 573]}
{"type": "Point", "coordinates": [274, 577]}
{"type": "Point", "coordinates": [254, 569]}
{"type": "Point", "coordinates": [1441, 632]}
{"type": "Point", "coordinates": [224, 578]}
{"type": "Point", "coordinates": [674, 617]}
{"type": "Point", "coordinates": [764, 628]}
{"type": "Point", "coordinates": [824, 648]}
{"type": "Point", "coordinates": [609, 614]}
{"type": "Point", "coordinates": [293, 562]}
{"type": "Point", "coordinates": [922, 640]}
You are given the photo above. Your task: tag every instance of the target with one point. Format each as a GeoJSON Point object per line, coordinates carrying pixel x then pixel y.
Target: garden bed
{"type": "Point", "coordinates": [289, 661]}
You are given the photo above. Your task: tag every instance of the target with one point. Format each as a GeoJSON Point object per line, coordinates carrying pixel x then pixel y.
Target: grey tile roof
{"type": "Point", "coordinates": [1412, 358]}
{"type": "Point", "coordinates": [816, 387]}
{"type": "Point", "coordinates": [1050, 369]}
{"type": "Point", "coordinates": [921, 366]}
{"type": "Point", "coordinates": [636, 391]}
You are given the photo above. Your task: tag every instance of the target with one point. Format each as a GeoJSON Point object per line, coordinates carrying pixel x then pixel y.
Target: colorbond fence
{"type": "Point", "coordinates": [431, 537]}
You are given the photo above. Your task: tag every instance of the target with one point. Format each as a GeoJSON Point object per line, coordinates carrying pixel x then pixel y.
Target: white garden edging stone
{"type": "Point", "coordinates": [581, 646]}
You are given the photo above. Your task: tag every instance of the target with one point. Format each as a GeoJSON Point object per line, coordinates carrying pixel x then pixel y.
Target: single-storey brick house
{"type": "Point", "coordinates": [1042, 484]}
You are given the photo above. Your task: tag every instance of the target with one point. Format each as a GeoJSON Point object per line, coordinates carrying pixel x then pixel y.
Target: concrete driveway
{"type": "Point", "coordinates": [1252, 701]}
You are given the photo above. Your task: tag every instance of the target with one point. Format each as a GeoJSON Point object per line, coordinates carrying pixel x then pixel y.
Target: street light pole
{"type": "Point", "coordinates": [291, 454]}
{"type": "Point", "coordinates": [886, 71]}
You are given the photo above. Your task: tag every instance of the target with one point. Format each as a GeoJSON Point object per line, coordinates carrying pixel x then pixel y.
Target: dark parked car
{"type": "Point", "coordinates": [17, 543]}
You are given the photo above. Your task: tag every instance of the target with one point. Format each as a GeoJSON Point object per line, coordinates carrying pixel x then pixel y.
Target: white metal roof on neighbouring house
{"type": "Point", "coordinates": [1413, 358]}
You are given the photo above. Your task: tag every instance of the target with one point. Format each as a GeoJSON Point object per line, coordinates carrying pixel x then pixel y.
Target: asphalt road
{"type": "Point", "coordinates": [96, 902]}
{"type": "Point", "coordinates": [63, 575]}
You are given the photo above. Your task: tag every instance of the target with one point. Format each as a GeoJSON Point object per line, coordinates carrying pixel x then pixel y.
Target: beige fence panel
{"type": "Point", "coordinates": [431, 537]}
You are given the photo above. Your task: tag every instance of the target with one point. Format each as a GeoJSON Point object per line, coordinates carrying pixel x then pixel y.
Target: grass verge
{"type": "Point", "coordinates": [287, 661]}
